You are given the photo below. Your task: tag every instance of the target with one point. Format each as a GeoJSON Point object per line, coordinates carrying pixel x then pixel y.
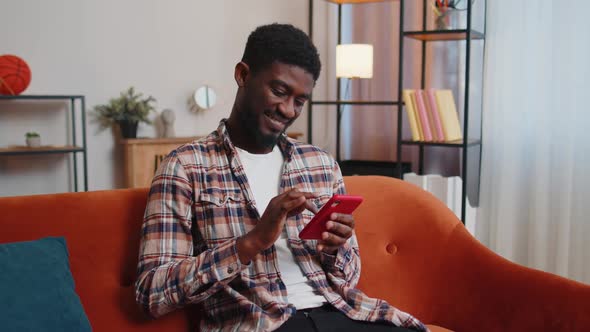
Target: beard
{"type": "Point", "coordinates": [251, 121]}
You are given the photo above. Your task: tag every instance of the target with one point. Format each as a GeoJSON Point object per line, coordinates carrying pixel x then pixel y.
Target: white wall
{"type": "Point", "coordinates": [98, 48]}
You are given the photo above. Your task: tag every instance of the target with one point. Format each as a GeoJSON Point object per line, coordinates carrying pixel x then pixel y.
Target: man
{"type": "Point", "coordinates": [224, 213]}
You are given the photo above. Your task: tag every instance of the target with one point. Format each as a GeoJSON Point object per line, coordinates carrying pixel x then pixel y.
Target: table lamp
{"type": "Point", "coordinates": [354, 61]}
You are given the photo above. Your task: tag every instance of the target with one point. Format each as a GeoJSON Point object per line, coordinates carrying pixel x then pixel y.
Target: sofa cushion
{"type": "Point", "coordinates": [37, 289]}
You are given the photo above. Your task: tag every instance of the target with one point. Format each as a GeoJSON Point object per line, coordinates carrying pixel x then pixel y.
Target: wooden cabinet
{"type": "Point", "coordinates": [142, 156]}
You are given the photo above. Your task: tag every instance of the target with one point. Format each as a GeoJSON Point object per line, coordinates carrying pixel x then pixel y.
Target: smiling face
{"type": "Point", "coordinates": [267, 103]}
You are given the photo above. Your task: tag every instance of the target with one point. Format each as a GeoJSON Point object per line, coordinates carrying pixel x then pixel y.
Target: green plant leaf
{"type": "Point", "coordinates": [130, 106]}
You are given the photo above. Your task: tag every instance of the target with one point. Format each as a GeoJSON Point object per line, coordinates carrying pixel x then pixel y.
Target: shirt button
{"type": "Point", "coordinates": [230, 269]}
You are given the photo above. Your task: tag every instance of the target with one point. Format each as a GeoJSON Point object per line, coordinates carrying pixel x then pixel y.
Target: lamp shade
{"type": "Point", "coordinates": [354, 60]}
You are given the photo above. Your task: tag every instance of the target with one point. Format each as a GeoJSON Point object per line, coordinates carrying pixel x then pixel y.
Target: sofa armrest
{"type": "Point", "coordinates": [418, 256]}
{"type": "Point", "coordinates": [487, 292]}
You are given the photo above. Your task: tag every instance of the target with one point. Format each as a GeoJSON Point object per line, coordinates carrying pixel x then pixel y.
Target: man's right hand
{"type": "Point", "coordinates": [271, 224]}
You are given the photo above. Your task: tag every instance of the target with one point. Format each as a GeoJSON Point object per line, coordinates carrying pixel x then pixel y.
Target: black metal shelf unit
{"type": "Point", "coordinates": [339, 102]}
{"type": "Point", "coordinates": [444, 35]}
{"type": "Point", "coordinates": [458, 143]}
{"type": "Point", "coordinates": [426, 36]}
{"type": "Point", "coordinates": [77, 103]}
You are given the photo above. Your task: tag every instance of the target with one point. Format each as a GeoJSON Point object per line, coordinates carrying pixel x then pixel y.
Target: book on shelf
{"type": "Point", "coordinates": [411, 112]}
{"type": "Point", "coordinates": [431, 125]}
{"type": "Point", "coordinates": [413, 178]}
{"type": "Point", "coordinates": [423, 116]}
{"type": "Point", "coordinates": [441, 188]}
{"type": "Point", "coordinates": [417, 115]}
{"type": "Point", "coordinates": [448, 115]}
{"type": "Point", "coordinates": [432, 115]}
{"type": "Point", "coordinates": [436, 125]}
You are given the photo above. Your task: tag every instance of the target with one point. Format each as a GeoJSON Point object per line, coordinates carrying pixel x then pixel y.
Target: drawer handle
{"type": "Point", "coordinates": [158, 160]}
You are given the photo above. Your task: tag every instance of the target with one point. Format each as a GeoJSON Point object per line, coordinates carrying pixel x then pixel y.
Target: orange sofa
{"type": "Point", "coordinates": [415, 254]}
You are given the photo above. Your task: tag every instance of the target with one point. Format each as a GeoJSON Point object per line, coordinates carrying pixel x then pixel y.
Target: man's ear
{"type": "Point", "coordinates": [241, 73]}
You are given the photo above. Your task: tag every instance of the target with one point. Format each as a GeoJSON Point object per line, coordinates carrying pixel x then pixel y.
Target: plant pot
{"type": "Point", "coordinates": [128, 128]}
{"type": "Point", "coordinates": [33, 142]}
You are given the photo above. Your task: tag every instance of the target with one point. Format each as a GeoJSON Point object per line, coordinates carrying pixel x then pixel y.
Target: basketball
{"type": "Point", "coordinates": [15, 75]}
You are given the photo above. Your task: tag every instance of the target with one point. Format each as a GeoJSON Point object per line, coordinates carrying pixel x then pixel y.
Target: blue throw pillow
{"type": "Point", "coordinates": [37, 289]}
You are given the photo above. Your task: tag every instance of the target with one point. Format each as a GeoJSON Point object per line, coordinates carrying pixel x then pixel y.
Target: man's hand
{"type": "Point", "coordinates": [340, 227]}
{"type": "Point", "coordinates": [271, 224]}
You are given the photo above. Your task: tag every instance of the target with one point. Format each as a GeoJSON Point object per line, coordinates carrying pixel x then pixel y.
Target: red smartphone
{"type": "Point", "coordinates": [339, 204]}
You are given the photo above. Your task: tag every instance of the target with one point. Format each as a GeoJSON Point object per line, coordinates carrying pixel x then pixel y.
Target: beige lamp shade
{"type": "Point", "coordinates": [354, 60]}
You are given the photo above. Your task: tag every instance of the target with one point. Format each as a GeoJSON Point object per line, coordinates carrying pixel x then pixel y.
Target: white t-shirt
{"type": "Point", "coordinates": [264, 177]}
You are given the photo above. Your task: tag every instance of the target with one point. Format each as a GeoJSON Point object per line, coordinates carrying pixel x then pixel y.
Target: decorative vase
{"type": "Point", "coordinates": [34, 142]}
{"type": "Point", "coordinates": [128, 128]}
{"type": "Point", "coordinates": [450, 19]}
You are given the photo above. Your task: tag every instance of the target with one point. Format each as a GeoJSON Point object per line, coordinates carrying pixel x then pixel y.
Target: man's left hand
{"type": "Point", "coordinates": [339, 230]}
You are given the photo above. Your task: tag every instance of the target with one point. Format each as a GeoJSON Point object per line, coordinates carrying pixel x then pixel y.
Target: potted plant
{"type": "Point", "coordinates": [127, 111]}
{"type": "Point", "coordinates": [33, 139]}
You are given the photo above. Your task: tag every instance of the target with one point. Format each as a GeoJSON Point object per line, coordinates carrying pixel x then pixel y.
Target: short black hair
{"type": "Point", "coordinates": [283, 43]}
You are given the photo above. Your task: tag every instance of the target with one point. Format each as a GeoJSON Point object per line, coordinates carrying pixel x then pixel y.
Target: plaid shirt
{"type": "Point", "coordinates": [200, 203]}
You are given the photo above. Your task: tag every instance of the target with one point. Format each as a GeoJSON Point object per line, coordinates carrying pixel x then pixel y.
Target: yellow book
{"type": "Point", "coordinates": [418, 122]}
{"type": "Point", "coordinates": [448, 115]}
{"type": "Point", "coordinates": [412, 115]}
